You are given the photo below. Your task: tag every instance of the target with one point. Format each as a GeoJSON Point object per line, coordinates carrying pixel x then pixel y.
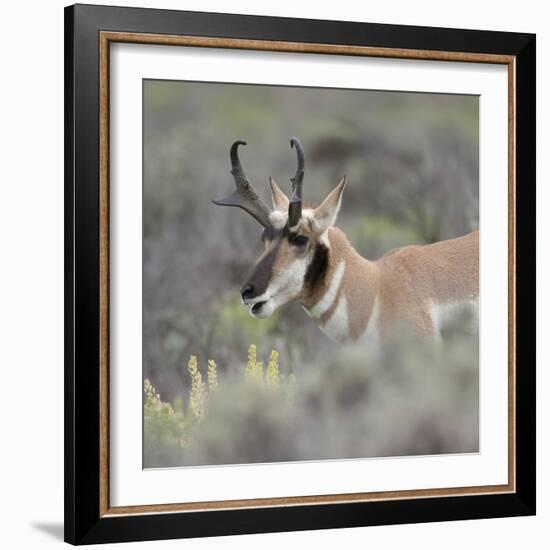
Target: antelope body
{"type": "Point", "coordinates": [307, 258]}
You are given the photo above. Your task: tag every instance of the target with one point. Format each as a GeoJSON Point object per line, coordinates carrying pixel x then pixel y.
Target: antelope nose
{"type": "Point", "coordinates": [247, 291]}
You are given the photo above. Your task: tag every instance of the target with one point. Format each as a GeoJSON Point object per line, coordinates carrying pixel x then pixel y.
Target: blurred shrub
{"type": "Point", "coordinates": [417, 397]}
{"type": "Point", "coordinates": [236, 326]}
{"type": "Point", "coordinates": [172, 438]}
{"type": "Point", "coordinates": [165, 431]}
{"type": "Point", "coordinates": [375, 235]}
{"type": "Point", "coordinates": [412, 163]}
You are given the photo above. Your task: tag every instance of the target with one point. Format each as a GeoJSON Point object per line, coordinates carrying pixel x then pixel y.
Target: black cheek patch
{"type": "Point", "coordinates": [261, 274]}
{"type": "Point", "coordinates": [318, 267]}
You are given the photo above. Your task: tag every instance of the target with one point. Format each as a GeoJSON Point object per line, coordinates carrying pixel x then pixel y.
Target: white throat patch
{"type": "Point", "coordinates": [324, 304]}
{"type": "Point", "coordinates": [337, 327]}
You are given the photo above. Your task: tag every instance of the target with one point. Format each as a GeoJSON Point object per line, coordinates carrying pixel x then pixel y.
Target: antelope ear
{"type": "Point", "coordinates": [280, 200]}
{"type": "Point", "coordinates": [325, 214]}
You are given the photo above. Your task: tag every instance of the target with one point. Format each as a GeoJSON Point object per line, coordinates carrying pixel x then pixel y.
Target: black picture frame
{"type": "Point", "coordinates": [84, 523]}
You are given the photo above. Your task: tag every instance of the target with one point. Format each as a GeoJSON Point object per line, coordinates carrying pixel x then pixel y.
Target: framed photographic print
{"type": "Point", "coordinates": [352, 343]}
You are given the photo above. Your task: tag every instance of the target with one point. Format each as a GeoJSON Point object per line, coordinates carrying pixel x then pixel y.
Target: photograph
{"type": "Point", "coordinates": [334, 314]}
{"type": "Point", "coordinates": [299, 272]}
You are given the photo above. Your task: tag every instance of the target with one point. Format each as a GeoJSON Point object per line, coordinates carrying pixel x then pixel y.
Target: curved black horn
{"type": "Point", "coordinates": [245, 196]}
{"type": "Point", "coordinates": [295, 204]}
{"type": "Point", "coordinates": [236, 168]}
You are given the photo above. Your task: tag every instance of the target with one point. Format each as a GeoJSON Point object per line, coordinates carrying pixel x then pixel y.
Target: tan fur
{"type": "Point", "coordinates": [358, 296]}
{"type": "Point", "coordinates": [406, 282]}
{"type": "Point", "coordinates": [287, 253]}
{"type": "Point", "coordinates": [359, 283]}
{"type": "Point", "coordinates": [416, 277]}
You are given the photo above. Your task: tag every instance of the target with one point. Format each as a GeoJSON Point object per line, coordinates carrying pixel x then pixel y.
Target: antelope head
{"type": "Point", "coordinates": [295, 238]}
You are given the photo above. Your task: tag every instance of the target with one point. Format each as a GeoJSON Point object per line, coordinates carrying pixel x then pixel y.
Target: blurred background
{"type": "Point", "coordinates": [412, 166]}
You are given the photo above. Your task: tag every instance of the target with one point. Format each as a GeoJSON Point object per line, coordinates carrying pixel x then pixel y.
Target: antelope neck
{"type": "Point", "coordinates": [343, 300]}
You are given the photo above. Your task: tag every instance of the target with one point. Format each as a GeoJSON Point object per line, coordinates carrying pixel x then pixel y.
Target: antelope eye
{"type": "Point", "coordinates": [299, 240]}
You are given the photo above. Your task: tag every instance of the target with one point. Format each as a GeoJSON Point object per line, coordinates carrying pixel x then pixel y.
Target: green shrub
{"type": "Point", "coordinates": [417, 397]}
{"type": "Point", "coordinates": [169, 433]}
{"type": "Point", "coordinates": [165, 431]}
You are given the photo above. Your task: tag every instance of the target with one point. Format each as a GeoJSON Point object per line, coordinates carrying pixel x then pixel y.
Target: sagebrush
{"type": "Point", "coordinates": [420, 397]}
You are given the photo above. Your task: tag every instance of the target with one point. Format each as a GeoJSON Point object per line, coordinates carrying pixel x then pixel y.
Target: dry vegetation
{"type": "Point", "coordinates": [412, 166]}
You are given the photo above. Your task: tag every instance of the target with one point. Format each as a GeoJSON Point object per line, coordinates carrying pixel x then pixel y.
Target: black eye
{"type": "Point", "coordinates": [299, 240]}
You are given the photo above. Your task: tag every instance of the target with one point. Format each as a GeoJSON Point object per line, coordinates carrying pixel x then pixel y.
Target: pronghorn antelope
{"type": "Point", "coordinates": [307, 258]}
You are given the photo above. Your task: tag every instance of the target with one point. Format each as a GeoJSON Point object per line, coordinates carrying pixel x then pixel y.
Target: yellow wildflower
{"type": "Point", "coordinates": [197, 394]}
{"type": "Point", "coordinates": [212, 374]}
{"type": "Point", "coordinates": [273, 369]}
